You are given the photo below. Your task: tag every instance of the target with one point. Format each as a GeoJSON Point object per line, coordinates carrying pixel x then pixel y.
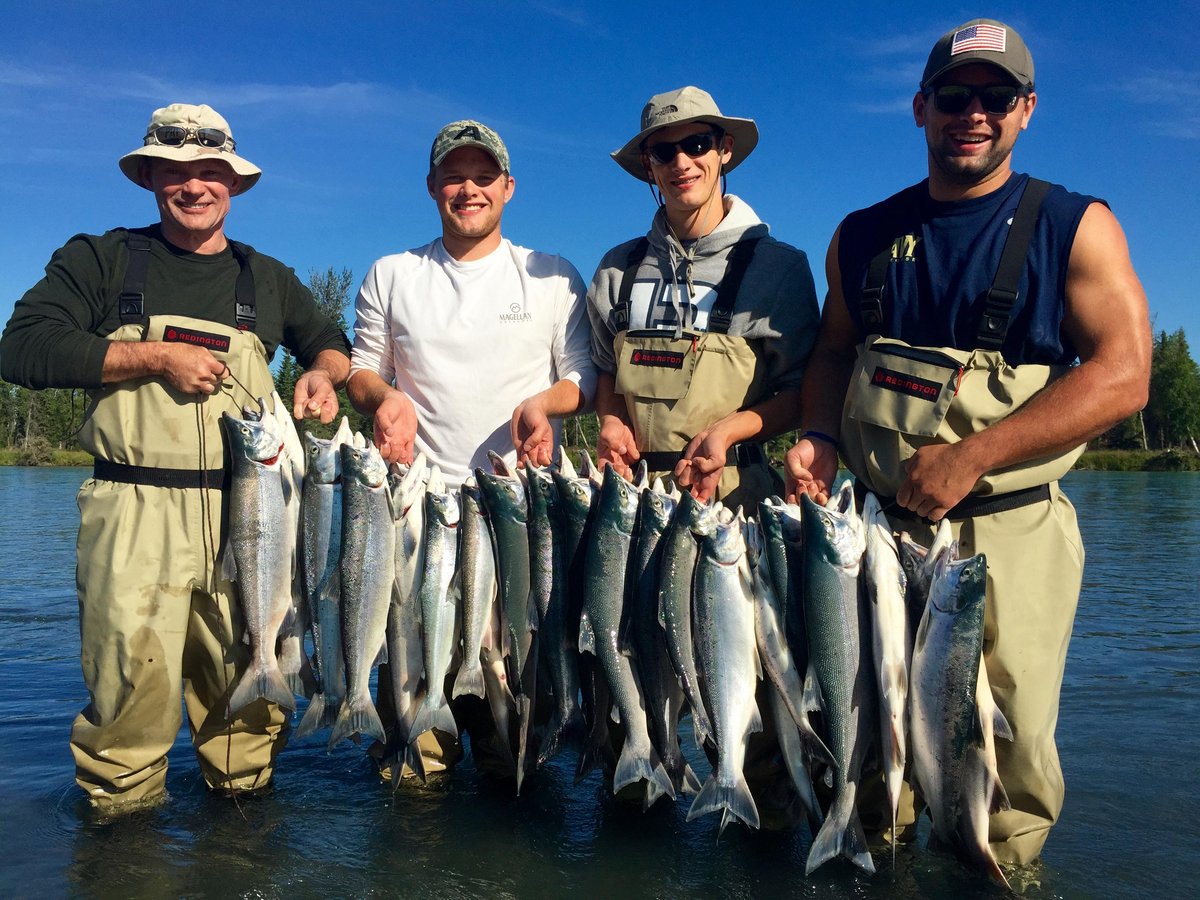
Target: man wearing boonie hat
{"type": "Point", "coordinates": [1001, 282]}
{"type": "Point", "coordinates": [469, 344]}
{"type": "Point", "coordinates": [700, 332]}
{"type": "Point", "coordinates": [167, 326]}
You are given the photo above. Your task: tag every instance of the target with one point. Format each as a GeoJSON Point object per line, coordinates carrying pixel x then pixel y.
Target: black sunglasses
{"type": "Point", "coordinates": [694, 145]}
{"type": "Point", "coordinates": [177, 136]}
{"type": "Point", "coordinates": [996, 99]}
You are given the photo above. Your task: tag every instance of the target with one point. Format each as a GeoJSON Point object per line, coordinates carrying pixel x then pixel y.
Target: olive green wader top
{"type": "Point", "coordinates": [155, 615]}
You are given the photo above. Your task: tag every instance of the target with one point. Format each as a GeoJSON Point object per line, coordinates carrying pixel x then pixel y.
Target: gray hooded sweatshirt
{"type": "Point", "coordinates": [675, 288]}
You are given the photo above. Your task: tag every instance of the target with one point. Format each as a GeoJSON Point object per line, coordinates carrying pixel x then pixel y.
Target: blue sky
{"type": "Point", "coordinates": [338, 104]}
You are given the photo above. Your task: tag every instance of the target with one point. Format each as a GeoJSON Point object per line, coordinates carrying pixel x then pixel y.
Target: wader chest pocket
{"type": "Point", "coordinates": [905, 389]}
{"type": "Point", "coordinates": [656, 367]}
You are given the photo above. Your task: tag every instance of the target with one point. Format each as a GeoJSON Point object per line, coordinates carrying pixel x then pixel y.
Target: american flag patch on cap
{"type": "Point", "coordinates": [979, 37]}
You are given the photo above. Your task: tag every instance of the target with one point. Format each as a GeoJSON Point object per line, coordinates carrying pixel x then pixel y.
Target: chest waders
{"type": "Point", "coordinates": [676, 387]}
{"type": "Point", "coordinates": [903, 397]}
{"type": "Point", "coordinates": [155, 616]}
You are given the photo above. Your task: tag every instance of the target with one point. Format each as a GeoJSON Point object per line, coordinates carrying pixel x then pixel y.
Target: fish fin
{"type": "Point", "coordinates": [614, 714]}
{"type": "Point", "coordinates": [381, 656]}
{"type": "Point", "coordinates": [755, 724]}
{"type": "Point", "coordinates": [587, 635]}
{"type": "Point", "coordinates": [734, 799]}
{"type": "Point", "coordinates": [561, 732]}
{"type": "Point", "coordinates": [435, 713]}
{"type": "Point", "coordinates": [841, 835]}
{"type": "Point", "coordinates": [1000, 801]}
{"type": "Point", "coordinates": [814, 745]}
{"type": "Point", "coordinates": [355, 719]}
{"type": "Point", "coordinates": [813, 701]}
{"type": "Point", "coordinates": [320, 714]}
{"type": "Point", "coordinates": [593, 755]}
{"type": "Point", "coordinates": [262, 682]}
{"type": "Point", "coordinates": [469, 680]}
{"type": "Point", "coordinates": [689, 783]}
{"type": "Point", "coordinates": [524, 727]}
{"type": "Point", "coordinates": [1000, 726]}
{"type": "Point", "coordinates": [631, 768]}
{"type": "Point", "coordinates": [227, 564]}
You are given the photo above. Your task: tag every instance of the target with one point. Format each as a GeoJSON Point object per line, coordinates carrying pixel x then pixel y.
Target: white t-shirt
{"type": "Point", "coordinates": [468, 341]}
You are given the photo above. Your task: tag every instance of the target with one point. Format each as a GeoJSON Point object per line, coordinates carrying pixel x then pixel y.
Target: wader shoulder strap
{"type": "Point", "coordinates": [131, 304]}
{"type": "Point", "coordinates": [245, 300]}
{"type": "Point", "coordinates": [870, 301]}
{"type": "Point", "coordinates": [740, 256]}
{"type": "Point", "coordinates": [1002, 295]}
{"type": "Point", "coordinates": [633, 262]}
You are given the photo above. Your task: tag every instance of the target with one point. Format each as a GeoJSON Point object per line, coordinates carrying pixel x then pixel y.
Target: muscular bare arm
{"type": "Point", "coordinates": [192, 370]}
{"type": "Point", "coordinates": [1107, 319]}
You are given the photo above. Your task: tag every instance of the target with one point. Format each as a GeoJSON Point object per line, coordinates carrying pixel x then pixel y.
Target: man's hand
{"type": "Point", "coordinates": [532, 435]}
{"type": "Point", "coordinates": [616, 446]}
{"type": "Point", "coordinates": [395, 428]}
{"type": "Point", "coordinates": [811, 466]}
{"type": "Point", "coordinates": [699, 469]}
{"type": "Point", "coordinates": [192, 370]}
{"type": "Point", "coordinates": [315, 397]}
{"type": "Point", "coordinates": [939, 476]}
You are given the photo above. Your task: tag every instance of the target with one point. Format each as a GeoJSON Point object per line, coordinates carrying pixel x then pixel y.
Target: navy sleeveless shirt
{"type": "Point", "coordinates": [944, 257]}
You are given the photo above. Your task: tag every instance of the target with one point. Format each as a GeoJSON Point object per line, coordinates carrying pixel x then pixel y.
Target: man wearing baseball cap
{"type": "Point", "coordinates": [167, 326]}
{"type": "Point", "coordinates": [945, 374]}
{"type": "Point", "coordinates": [470, 343]}
{"type": "Point", "coordinates": [700, 332]}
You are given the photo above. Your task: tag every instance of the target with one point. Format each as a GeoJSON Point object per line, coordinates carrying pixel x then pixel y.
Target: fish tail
{"type": "Point", "coordinates": [634, 766]}
{"type": "Point", "coordinates": [469, 680]}
{"type": "Point", "coordinates": [434, 713]}
{"type": "Point", "coordinates": [357, 717]}
{"type": "Point", "coordinates": [320, 714]}
{"type": "Point", "coordinates": [841, 835]}
{"type": "Point", "coordinates": [688, 782]}
{"type": "Point", "coordinates": [406, 754]}
{"type": "Point", "coordinates": [296, 667]}
{"type": "Point", "coordinates": [262, 681]}
{"type": "Point", "coordinates": [565, 730]}
{"type": "Point", "coordinates": [734, 799]}
{"type": "Point", "coordinates": [595, 753]}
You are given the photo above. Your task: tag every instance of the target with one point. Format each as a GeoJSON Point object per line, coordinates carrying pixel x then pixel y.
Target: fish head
{"type": "Point", "coordinates": [344, 433]}
{"type": "Point", "coordinates": [958, 584]}
{"type": "Point", "coordinates": [364, 465]}
{"type": "Point", "coordinates": [701, 517]}
{"type": "Point", "coordinates": [565, 466]}
{"type": "Point", "coordinates": [442, 507]}
{"type": "Point", "coordinates": [324, 460]}
{"type": "Point", "coordinates": [641, 476]}
{"type": "Point", "coordinates": [726, 542]}
{"type": "Point", "coordinates": [575, 493]}
{"type": "Point", "coordinates": [657, 507]}
{"type": "Point", "coordinates": [618, 500]}
{"type": "Point", "coordinates": [502, 496]}
{"type": "Point", "coordinates": [834, 532]}
{"type": "Point", "coordinates": [252, 439]}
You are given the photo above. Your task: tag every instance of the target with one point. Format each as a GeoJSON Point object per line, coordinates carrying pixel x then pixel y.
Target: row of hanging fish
{"type": "Point", "coordinates": [636, 605]}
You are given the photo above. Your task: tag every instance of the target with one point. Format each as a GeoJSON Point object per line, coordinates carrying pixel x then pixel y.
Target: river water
{"type": "Point", "coordinates": [1128, 737]}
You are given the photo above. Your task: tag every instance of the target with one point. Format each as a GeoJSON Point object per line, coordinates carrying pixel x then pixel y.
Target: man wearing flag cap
{"type": "Point", "coordinates": [167, 327]}
{"type": "Point", "coordinates": [945, 374]}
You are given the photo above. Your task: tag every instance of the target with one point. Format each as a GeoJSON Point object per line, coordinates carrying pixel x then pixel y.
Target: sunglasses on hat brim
{"type": "Point", "coordinates": [178, 135]}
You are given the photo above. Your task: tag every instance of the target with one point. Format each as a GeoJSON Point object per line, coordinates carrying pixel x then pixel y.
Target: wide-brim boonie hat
{"type": "Point", "coordinates": [192, 118]}
{"type": "Point", "coordinates": [679, 107]}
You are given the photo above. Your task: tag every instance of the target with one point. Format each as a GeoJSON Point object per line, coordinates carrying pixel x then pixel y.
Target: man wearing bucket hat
{"type": "Point", "coordinates": [944, 374]}
{"type": "Point", "coordinates": [167, 326]}
{"type": "Point", "coordinates": [469, 344]}
{"type": "Point", "coordinates": [700, 329]}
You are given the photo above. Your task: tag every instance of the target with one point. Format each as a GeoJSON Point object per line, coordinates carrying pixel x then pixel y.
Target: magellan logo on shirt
{"type": "Point", "coordinates": [515, 314]}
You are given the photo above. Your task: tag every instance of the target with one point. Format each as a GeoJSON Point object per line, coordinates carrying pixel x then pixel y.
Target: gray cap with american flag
{"type": "Point", "coordinates": [980, 41]}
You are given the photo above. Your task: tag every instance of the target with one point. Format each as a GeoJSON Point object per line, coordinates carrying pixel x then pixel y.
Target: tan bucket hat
{"type": "Point", "coordinates": [678, 107]}
{"type": "Point", "coordinates": [183, 132]}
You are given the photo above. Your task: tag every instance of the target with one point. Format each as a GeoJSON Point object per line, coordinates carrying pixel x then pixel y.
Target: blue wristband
{"type": "Point", "coordinates": [822, 436]}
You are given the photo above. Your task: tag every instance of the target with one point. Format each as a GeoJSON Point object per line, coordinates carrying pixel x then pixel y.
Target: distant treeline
{"type": "Point", "coordinates": [34, 424]}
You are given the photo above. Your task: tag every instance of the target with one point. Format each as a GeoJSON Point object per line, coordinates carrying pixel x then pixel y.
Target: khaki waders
{"type": "Point", "coordinates": [155, 617]}
{"type": "Point", "coordinates": [903, 397]}
{"type": "Point", "coordinates": [674, 388]}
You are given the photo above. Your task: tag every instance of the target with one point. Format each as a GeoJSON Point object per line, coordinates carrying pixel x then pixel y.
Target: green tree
{"type": "Point", "coordinates": [1172, 414]}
